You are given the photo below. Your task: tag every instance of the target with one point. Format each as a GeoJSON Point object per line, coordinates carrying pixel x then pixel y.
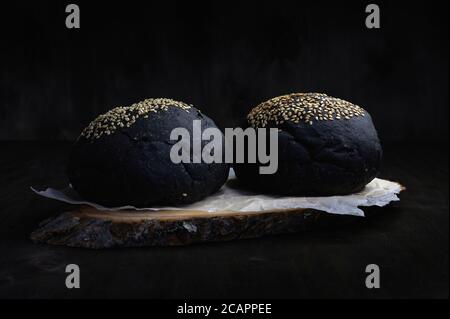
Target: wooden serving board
{"type": "Point", "coordinates": [90, 228]}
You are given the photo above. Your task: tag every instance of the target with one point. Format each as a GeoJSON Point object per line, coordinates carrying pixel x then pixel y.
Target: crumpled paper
{"type": "Point", "coordinates": [378, 192]}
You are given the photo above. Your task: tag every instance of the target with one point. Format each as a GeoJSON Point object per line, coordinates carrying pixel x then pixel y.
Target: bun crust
{"type": "Point", "coordinates": [326, 146]}
{"type": "Point", "coordinates": [123, 158]}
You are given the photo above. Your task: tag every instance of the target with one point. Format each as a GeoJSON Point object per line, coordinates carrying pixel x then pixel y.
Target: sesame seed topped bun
{"type": "Point", "coordinates": [326, 146]}
{"type": "Point", "coordinates": [123, 157]}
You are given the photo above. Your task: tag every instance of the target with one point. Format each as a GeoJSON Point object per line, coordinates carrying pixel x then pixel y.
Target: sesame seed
{"type": "Point", "coordinates": [125, 116]}
{"type": "Point", "coordinates": [307, 107]}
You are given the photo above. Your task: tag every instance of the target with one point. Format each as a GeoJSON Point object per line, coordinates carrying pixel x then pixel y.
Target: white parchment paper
{"type": "Point", "coordinates": [379, 192]}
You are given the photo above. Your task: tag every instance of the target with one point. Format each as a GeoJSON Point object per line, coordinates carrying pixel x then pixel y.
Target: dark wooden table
{"type": "Point", "coordinates": [408, 240]}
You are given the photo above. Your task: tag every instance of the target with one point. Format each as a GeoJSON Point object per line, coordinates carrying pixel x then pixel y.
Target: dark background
{"type": "Point", "coordinates": [224, 57]}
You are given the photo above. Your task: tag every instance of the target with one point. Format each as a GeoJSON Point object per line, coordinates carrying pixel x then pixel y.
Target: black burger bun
{"type": "Point", "coordinates": [326, 146]}
{"type": "Point", "coordinates": [123, 157]}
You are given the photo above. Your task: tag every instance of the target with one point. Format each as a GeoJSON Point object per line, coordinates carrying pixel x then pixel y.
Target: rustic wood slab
{"type": "Point", "coordinates": [90, 228]}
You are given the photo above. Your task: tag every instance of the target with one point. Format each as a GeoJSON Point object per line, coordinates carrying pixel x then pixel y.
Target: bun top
{"type": "Point", "coordinates": [125, 116]}
{"type": "Point", "coordinates": [305, 107]}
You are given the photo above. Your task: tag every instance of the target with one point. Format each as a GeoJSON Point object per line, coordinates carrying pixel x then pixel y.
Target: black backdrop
{"type": "Point", "coordinates": [224, 57]}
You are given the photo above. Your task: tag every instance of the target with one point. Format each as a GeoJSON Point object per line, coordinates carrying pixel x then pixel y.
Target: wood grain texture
{"type": "Point", "coordinates": [88, 227]}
